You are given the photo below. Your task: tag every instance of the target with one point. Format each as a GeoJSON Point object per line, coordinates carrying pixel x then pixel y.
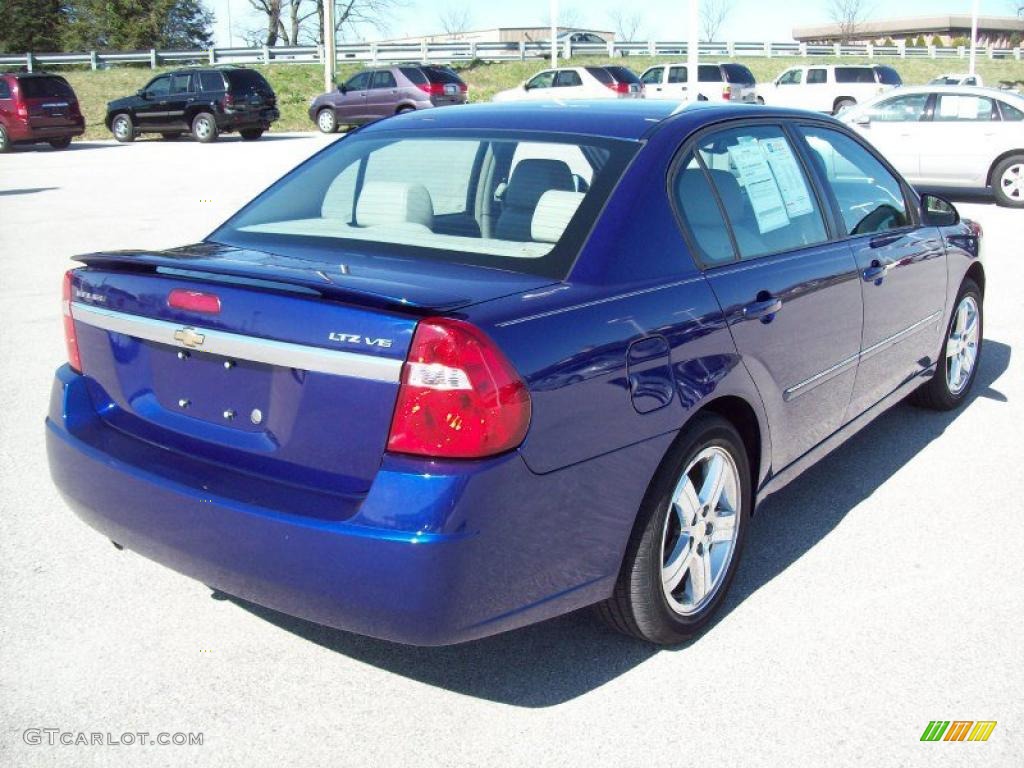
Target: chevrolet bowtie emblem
{"type": "Point", "coordinates": [189, 337]}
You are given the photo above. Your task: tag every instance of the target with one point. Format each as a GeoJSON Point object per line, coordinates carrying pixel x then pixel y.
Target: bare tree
{"type": "Point", "coordinates": [570, 18]}
{"type": "Point", "coordinates": [291, 21]}
{"type": "Point", "coordinates": [848, 15]}
{"type": "Point", "coordinates": [713, 14]}
{"type": "Point", "coordinates": [455, 19]}
{"type": "Point", "coordinates": [627, 24]}
{"type": "Point", "coordinates": [272, 10]}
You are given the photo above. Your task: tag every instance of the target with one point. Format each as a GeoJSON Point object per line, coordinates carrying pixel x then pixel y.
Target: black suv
{"type": "Point", "coordinates": [205, 101]}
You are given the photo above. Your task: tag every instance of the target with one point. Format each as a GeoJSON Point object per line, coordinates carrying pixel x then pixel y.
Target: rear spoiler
{"type": "Point", "coordinates": [274, 272]}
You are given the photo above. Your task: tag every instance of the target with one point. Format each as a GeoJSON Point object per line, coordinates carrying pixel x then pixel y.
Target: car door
{"type": "Point", "coordinates": [896, 128]}
{"type": "Point", "coordinates": [568, 85]}
{"type": "Point", "coordinates": [541, 85]}
{"type": "Point", "coordinates": [382, 96]}
{"type": "Point", "coordinates": [816, 95]}
{"type": "Point", "coordinates": [151, 112]}
{"type": "Point", "coordinates": [652, 80]}
{"type": "Point", "coordinates": [350, 104]}
{"type": "Point", "coordinates": [790, 293]}
{"type": "Point", "coordinates": [789, 89]}
{"type": "Point", "coordinates": [180, 96]}
{"type": "Point", "coordinates": [901, 265]}
{"type": "Point", "coordinates": [677, 85]}
{"type": "Point", "coordinates": [956, 141]}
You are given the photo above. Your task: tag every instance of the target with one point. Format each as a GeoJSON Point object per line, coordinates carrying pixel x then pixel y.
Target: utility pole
{"type": "Point", "coordinates": [974, 33]}
{"type": "Point", "coordinates": [330, 52]}
{"type": "Point", "coordinates": [692, 44]}
{"type": "Point", "coordinates": [231, 34]}
{"type": "Point", "coordinates": [554, 33]}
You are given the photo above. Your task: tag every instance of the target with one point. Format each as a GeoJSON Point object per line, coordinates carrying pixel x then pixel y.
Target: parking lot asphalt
{"type": "Point", "coordinates": [882, 590]}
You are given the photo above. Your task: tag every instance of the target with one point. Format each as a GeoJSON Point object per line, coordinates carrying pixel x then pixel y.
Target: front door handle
{"type": "Point", "coordinates": [764, 307]}
{"type": "Point", "coordinates": [875, 272]}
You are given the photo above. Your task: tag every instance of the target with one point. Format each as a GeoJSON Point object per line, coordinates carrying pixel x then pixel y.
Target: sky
{"type": "Point", "coordinates": [754, 20]}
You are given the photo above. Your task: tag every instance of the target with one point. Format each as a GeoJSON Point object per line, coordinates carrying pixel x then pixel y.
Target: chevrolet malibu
{"type": "Point", "coordinates": [469, 369]}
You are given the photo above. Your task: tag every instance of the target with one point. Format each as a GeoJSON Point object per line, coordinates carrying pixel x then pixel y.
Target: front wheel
{"type": "Point", "coordinates": [204, 128]}
{"type": "Point", "coordinates": [1008, 182]}
{"type": "Point", "coordinates": [687, 540]}
{"type": "Point", "coordinates": [961, 353]}
{"type": "Point", "coordinates": [326, 121]}
{"type": "Point", "coordinates": [122, 128]}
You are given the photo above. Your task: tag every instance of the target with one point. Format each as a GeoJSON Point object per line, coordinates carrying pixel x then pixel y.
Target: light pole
{"type": "Point", "coordinates": [330, 52]}
{"type": "Point", "coordinates": [554, 33]}
{"type": "Point", "coordinates": [974, 33]}
{"type": "Point", "coordinates": [692, 44]}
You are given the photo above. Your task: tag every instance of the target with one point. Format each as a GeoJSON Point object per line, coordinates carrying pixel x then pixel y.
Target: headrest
{"type": "Point", "coordinates": [701, 207]}
{"type": "Point", "coordinates": [554, 211]}
{"type": "Point", "coordinates": [532, 178]}
{"type": "Point", "coordinates": [394, 202]}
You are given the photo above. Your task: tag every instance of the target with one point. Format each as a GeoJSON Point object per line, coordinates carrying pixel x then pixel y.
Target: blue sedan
{"type": "Point", "coordinates": [464, 371]}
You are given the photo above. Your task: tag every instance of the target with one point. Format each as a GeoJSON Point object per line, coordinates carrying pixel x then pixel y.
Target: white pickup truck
{"type": "Point", "coordinates": [828, 87]}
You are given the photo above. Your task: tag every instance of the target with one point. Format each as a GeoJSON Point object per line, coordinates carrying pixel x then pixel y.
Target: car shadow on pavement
{"type": "Point", "coordinates": [25, 191]}
{"type": "Point", "coordinates": [558, 660]}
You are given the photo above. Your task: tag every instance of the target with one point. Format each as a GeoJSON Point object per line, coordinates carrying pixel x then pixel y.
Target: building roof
{"type": "Point", "coordinates": [911, 24]}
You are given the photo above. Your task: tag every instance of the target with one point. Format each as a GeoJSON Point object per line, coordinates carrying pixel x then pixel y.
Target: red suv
{"type": "Point", "coordinates": [36, 107]}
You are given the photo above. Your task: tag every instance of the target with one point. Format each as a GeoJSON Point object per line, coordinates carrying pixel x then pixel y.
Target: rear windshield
{"type": "Point", "coordinates": [414, 75]}
{"type": "Point", "coordinates": [515, 201]}
{"type": "Point", "coordinates": [247, 79]}
{"type": "Point", "coordinates": [45, 87]}
{"type": "Point", "coordinates": [441, 75]}
{"type": "Point", "coordinates": [855, 75]}
{"type": "Point", "coordinates": [623, 74]}
{"type": "Point", "coordinates": [888, 76]}
{"type": "Point", "coordinates": [739, 74]}
{"type": "Point", "coordinates": [602, 75]}
{"type": "Point", "coordinates": [709, 73]}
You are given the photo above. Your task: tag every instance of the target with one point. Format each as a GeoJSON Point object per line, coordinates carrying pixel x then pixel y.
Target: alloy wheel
{"type": "Point", "coordinates": [122, 128]}
{"type": "Point", "coordinates": [325, 121]}
{"type": "Point", "coordinates": [202, 128]}
{"type": "Point", "coordinates": [1012, 182]}
{"type": "Point", "coordinates": [700, 532]}
{"type": "Point", "coordinates": [962, 345]}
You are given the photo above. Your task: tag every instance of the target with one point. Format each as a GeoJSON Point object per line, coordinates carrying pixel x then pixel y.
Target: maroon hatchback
{"type": "Point", "coordinates": [375, 93]}
{"type": "Point", "coordinates": [38, 107]}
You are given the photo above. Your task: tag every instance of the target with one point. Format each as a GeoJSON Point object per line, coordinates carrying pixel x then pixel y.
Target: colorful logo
{"type": "Point", "coordinates": [958, 730]}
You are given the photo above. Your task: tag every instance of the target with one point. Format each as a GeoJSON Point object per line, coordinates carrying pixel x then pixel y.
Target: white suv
{"type": "Point", "coordinates": [828, 87]}
{"type": "Point", "coordinates": [715, 82]}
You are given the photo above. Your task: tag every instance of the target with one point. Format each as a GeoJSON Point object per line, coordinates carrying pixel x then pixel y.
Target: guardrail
{"type": "Point", "coordinates": [452, 52]}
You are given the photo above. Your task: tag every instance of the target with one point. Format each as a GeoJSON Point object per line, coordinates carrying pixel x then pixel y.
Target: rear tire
{"type": "Point", "coordinates": [63, 143]}
{"type": "Point", "coordinates": [687, 539]}
{"type": "Point", "coordinates": [5, 142]}
{"type": "Point", "coordinates": [842, 104]}
{"type": "Point", "coordinates": [204, 128]}
{"type": "Point", "coordinates": [961, 348]}
{"type": "Point", "coordinates": [403, 110]}
{"type": "Point", "coordinates": [1008, 181]}
{"type": "Point", "coordinates": [326, 120]}
{"type": "Point", "coordinates": [251, 134]}
{"type": "Point", "coordinates": [123, 128]}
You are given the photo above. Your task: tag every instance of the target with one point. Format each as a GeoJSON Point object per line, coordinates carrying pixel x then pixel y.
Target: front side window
{"type": "Point", "coordinates": [900, 109]}
{"type": "Point", "coordinates": [952, 107]}
{"type": "Point", "coordinates": [792, 77]}
{"type": "Point", "coordinates": [652, 76]}
{"type": "Point", "coordinates": [384, 79]}
{"type": "Point", "coordinates": [543, 80]}
{"type": "Point", "coordinates": [763, 189]}
{"type": "Point", "coordinates": [180, 83]}
{"type": "Point", "coordinates": [870, 198]}
{"type": "Point", "coordinates": [358, 82]}
{"type": "Point", "coordinates": [513, 201]}
{"type": "Point", "coordinates": [159, 87]}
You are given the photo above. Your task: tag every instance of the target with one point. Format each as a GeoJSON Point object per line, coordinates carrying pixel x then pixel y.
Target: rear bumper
{"type": "Point", "coordinates": [437, 553]}
{"type": "Point", "coordinates": [18, 132]}
{"type": "Point", "coordinates": [232, 119]}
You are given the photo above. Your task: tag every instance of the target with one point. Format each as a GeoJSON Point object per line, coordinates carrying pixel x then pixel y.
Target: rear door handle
{"type": "Point", "coordinates": [876, 271]}
{"type": "Point", "coordinates": [765, 306]}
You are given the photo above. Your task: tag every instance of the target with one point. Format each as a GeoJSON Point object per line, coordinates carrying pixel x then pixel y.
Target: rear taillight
{"type": "Point", "coordinates": [618, 87]}
{"type": "Point", "coordinates": [434, 89]}
{"type": "Point", "coordinates": [20, 107]}
{"type": "Point", "coordinates": [228, 101]}
{"type": "Point", "coordinates": [459, 396]}
{"type": "Point", "coordinates": [726, 93]}
{"type": "Point", "coordinates": [194, 301]}
{"type": "Point", "coordinates": [70, 337]}
{"type": "Point", "coordinates": [975, 228]}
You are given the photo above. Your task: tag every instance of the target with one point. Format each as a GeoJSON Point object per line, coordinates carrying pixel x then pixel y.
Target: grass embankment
{"type": "Point", "coordinates": [296, 84]}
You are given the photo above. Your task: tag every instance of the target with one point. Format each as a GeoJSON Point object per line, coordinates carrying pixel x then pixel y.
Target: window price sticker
{"type": "Point", "coordinates": [756, 177]}
{"type": "Point", "coordinates": [788, 176]}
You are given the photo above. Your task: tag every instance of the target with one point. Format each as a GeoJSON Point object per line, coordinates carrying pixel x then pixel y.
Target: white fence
{"type": "Point", "coordinates": [449, 53]}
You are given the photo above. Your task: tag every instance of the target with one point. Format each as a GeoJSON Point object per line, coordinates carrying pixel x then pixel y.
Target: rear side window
{"type": "Point", "coordinates": [414, 75]}
{"type": "Point", "coordinates": [762, 187]}
{"type": "Point", "coordinates": [383, 79]}
{"type": "Point", "coordinates": [247, 79]}
{"type": "Point", "coordinates": [567, 78]}
{"type": "Point", "coordinates": [601, 75]}
{"type": "Point", "coordinates": [888, 76]}
{"type": "Point", "coordinates": [5, 90]}
{"type": "Point", "coordinates": [855, 75]}
{"type": "Point", "coordinates": [951, 107]}
{"type": "Point", "coordinates": [738, 74]}
{"type": "Point", "coordinates": [211, 81]}
{"type": "Point", "coordinates": [623, 74]}
{"type": "Point", "coordinates": [709, 73]}
{"type": "Point", "coordinates": [442, 75]}
{"type": "Point", "coordinates": [44, 88]}
{"type": "Point", "coordinates": [870, 198]}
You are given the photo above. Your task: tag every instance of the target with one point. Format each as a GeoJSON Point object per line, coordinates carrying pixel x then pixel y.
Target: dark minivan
{"type": "Point", "coordinates": [375, 93]}
{"type": "Point", "coordinates": [203, 101]}
{"type": "Point", "coordinates": [38, 107]}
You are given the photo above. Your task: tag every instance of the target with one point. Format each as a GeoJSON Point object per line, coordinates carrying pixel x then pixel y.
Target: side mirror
{"type": "Point", "coordinates": [526, 86]}
{"type": "Point", "coordinates": [141, 93]}
{"type": "Point", "coordinates": [342, 88]}
{"type": "Point", "coordinates": [938, 212]}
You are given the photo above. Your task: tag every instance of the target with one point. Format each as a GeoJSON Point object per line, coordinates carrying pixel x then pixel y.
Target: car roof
{"type": "Point", "coordinates": [630, 119]}
{"type": "Point", "coordinates": [963, 90]}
